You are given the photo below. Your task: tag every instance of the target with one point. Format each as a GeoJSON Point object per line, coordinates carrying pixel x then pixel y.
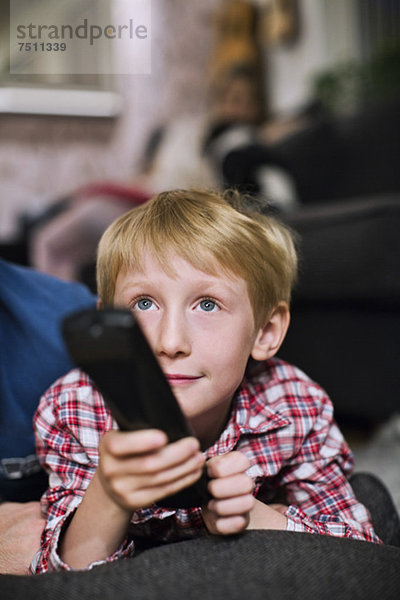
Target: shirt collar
{"type": "Point", "coordinates": [250, 414]}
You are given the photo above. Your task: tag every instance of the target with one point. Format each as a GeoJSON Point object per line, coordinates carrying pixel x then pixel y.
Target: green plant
{"type": "Point", "coordinates": [348, 86]}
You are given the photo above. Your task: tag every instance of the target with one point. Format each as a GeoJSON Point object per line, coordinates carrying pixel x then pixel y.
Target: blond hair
{"type": "Point", "coordinates": [212, 232]}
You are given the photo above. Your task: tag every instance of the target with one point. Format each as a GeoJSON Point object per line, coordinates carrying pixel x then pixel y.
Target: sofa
{"type": "Point", "coordinates": [345, 328]}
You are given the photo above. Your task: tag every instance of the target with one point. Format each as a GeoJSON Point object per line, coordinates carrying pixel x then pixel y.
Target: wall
{"type": "Point", "coordinates": [42, 158]}
{"type": "Point", "coordinates": [328, 33]}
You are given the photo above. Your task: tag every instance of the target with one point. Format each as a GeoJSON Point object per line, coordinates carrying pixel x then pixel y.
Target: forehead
{"type": "Point", "coordinates": [177, 269]}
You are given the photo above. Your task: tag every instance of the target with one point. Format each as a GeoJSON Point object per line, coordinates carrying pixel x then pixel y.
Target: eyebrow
{"type": "Point", "coordinates": [214, 283]}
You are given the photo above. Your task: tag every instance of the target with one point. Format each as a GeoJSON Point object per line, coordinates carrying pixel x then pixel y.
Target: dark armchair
{"type": "Point", "coordinates": [345, 329]}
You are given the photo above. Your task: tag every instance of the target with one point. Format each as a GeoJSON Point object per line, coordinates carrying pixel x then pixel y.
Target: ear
{"type": "Point", "coordinates": [270, 337]}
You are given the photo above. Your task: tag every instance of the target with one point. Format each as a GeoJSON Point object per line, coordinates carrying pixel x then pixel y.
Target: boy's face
{"type": "Point", "coordinates": [200, 327]}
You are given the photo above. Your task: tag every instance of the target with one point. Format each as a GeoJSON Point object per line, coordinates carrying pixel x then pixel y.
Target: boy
{"type": "Point", "coordinates": [211, 287]}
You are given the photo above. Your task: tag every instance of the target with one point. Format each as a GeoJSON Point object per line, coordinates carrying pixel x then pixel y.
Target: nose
{"type": "Point", "coordinates": [173, 337]}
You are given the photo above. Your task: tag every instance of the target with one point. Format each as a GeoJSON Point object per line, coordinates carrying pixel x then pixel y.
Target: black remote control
{"type": "Point", "coordinates": [110, 347]}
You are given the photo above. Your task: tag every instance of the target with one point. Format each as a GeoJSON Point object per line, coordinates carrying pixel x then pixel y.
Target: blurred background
{"type": "Point", "coordinates": [294, 101]}
{"type": "Point", "coordinates": [308, 49]}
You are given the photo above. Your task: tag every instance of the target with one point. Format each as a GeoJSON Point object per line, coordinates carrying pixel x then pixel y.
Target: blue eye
{"type": "Point", "coordinates": [208, 305]}
{"type": "Point", "coordinates": [145, 304]}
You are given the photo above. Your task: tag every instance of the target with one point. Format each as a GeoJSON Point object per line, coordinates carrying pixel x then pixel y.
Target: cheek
{"type": "Point", "coordinates": [237, 341]}
{"type": "Point", "coordinates": [227, 374]}
{"type": "Point", "coordinates": [228, 354]}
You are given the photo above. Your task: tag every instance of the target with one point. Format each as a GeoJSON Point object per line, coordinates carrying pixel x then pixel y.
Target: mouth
{"type": "Point", "coordinates": [180, 379]}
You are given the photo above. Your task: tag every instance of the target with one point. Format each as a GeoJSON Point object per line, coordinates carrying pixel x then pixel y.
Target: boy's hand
{"type": "Point", "coordinates": [139, 468]}
{"type": "Point", "coordinates": [233, 507]}
{"type": "Point", "coordinates": [229, 510]}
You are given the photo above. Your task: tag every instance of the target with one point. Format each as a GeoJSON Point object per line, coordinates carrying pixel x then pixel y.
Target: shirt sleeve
{"type": "Point", "coordinates": [69, 422]}
{"type": "Point", "coordinates": [316, 483]}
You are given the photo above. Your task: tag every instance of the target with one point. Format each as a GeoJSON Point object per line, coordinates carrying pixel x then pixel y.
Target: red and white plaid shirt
{"type": "Point", "coordinates": [280, 419]}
